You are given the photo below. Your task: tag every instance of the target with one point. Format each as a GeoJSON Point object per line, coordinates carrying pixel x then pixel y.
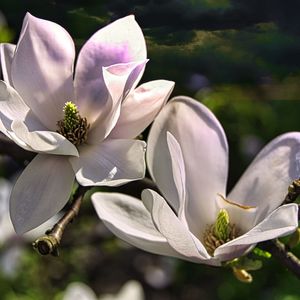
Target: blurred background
{"type": "Point", "coordinates": [242, 60]}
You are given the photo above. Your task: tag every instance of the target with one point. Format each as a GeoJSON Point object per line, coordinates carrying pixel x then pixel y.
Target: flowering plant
{"type": "Point", "coordinates": [81, 126]}
{"type": "Point", "coordinates": [187, 157]}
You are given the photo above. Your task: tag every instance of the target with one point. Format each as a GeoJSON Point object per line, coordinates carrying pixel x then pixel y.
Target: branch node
{"type": "Point", "coordinates": [50, 242]}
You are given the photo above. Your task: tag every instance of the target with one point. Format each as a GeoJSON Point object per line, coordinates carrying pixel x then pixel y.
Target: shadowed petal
{"type": "Point", "coordinates": [128, 219]}
{"type": "Point", "coordinates": [282, 221]}
{"type": "Point", "coordinates": [265, 182]}
{"type": "Point", "coordinates": [141, 107]}
{"type": "Point", "coordinates": [6, 55]}
{"type": "Point", "coordinates": [111, 163]}
{"type": "Point", "coordinates": [205, 153]}
{"type": "Point", "coordinates": [120, 42]}
{"type": "Point", "coordinates": [13, 107]}
{"type": "Point", "coordinates": [44, 141]}
{"type": "Point", "coordinates": [178, 173]}
{"type": "Point", "coordinates": [41, 191]}
{"type": "Point", "coordinates": [177, 235]}
{"type": "Point", "coordinates": [118, 79]}
{"type": "Point", "coordinates": [42, 68]}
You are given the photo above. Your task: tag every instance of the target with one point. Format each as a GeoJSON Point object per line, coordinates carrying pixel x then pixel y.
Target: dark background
{"type": "Point", "coordinates": [240, 58]}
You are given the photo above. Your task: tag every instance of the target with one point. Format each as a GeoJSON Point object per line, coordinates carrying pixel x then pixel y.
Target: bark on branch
{"type": "Point", "coordinates": [50, 242]}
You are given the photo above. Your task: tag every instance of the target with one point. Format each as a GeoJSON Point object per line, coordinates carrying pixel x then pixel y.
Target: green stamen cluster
{"type": "Point", "coordinates": [219, 233]}
{"type": "Point", "coordinates": [73, 126]}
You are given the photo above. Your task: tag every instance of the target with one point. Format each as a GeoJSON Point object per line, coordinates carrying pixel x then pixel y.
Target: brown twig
{"type": "Point", "coordinates": [49, 243]}
{"type": "Point", "coordinates": [286, 258]}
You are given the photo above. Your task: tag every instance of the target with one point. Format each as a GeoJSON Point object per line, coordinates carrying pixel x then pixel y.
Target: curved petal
{"type": "Point", "coordinates": [205, 153]}
{"type": "Point", "coordinates": [6, 56]}
{"type": "Point", "coordinates": [128, 219]}
{"type": "Point", "coordinates": [141, 107]}
{"type": "Point", "coordinates": [111, 163]}
{"type": "Point", "coordinates": [13, 107]}
{"type": "Point", "coordinates": [282, 221]}
{"type": "Point", "coordinates": [45, 83]}
{"type": "Point", "coordinates": [41, 191]}
{"type": "Point", "coordinates": [176, 233]}
{"type": "Point", "coordinates": [118, 79]}
{"type": "Point", "coordinates": [44, 141]}
{"type": "Point", "coordinates": [179, 176]}
{"type": "Point", "coordinates": [120, 42]}
{"type": "Point", "coordinates": [265, 182]}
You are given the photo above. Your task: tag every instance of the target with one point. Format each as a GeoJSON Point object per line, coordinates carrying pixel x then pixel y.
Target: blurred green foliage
{"type": "Point", "coordinates": [241, 59]}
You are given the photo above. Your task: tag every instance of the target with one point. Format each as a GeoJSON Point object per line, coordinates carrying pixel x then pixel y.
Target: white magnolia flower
{"type": "Point", "coordinates": [188, 159]}
{"type": "Point", "coordinates": [131, 290]}
{"type": "Point", "coordinates": [81, 125]}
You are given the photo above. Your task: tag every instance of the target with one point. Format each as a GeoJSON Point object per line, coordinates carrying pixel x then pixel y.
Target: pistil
{"type": "Point", "coordinates": [219, 233]}
{"type": "Point", "coordinates": [73, 127]}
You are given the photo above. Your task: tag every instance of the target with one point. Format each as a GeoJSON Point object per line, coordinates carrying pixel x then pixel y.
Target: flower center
{"type": "Point", "coordinates": [219, 233]}
{"type": "Point", "coordinates": [73, 127]}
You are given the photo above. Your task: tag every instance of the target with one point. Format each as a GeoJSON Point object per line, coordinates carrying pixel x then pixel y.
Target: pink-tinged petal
{"type": "Point", "coordinates": [282, 221]}
{"type": "Point", "coordinates": [111, 163]}
{"type": "Point", "coordinates": [141, 107]}
{"type": "Point", "coordinates": [265, 182]}
{"type": "Point", "coordinates": [6, 56]}
{"type": "Point", "coordinates": [176, 233]}
{"type": "Point", "coordinates": [42, 69]}
{"type": "Point", "coordinates": [41, 191]}
{"type": "Point", "coordinates": [44, 141]}
{"type": "Point", "coordinates": [128, 219]}
{"type": "Point", "coordinates": [205, 153]}
{"type": "Point", "coordinates": [120, 42]}
{"type": "Point", "coordinates": [118, 79]}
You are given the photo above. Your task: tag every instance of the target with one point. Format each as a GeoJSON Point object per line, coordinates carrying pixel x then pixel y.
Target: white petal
{"type": "Point", "coordinates": [13, 107]}
{"type": "Point", "coordinates": [11, 104]}
{"type": "Point", "coordinates": [282, 221]}
{"type": "Point", "coordinates": [141, 107]}
{"type": "Point", "coordinates": [242, 216]}
{"type": "Point", "coordinates": [176, 233]}
{"type": "Point", "coordinates": [265, 182]}
{"type": "Point", "coordinates": [111, 163]}
{"type": "Point", "coordinates": [41, 191]}
{"type": "Point", "coordinates": [44, 141]}
{"type": "Point", "coordinates": [42, 68]}
{"type": "Point", "coordinates": [128, 219]}
{"type": "Point", "coordinates": [6, 55]}
{"type": "Point", "coordinates": [118, 79]}
{"type": "Point", "coordinates": [120, 42]}
{"type": "Point", "coordinates": [205, 153]}
{"type": "Point", "coordinates": [178, 173]}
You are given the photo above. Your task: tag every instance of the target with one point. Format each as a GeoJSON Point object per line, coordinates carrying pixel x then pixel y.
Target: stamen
{"type": "Point", "coordinates": [73, 127]}
{"type": "Point", "coordinates": [219, 233]}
